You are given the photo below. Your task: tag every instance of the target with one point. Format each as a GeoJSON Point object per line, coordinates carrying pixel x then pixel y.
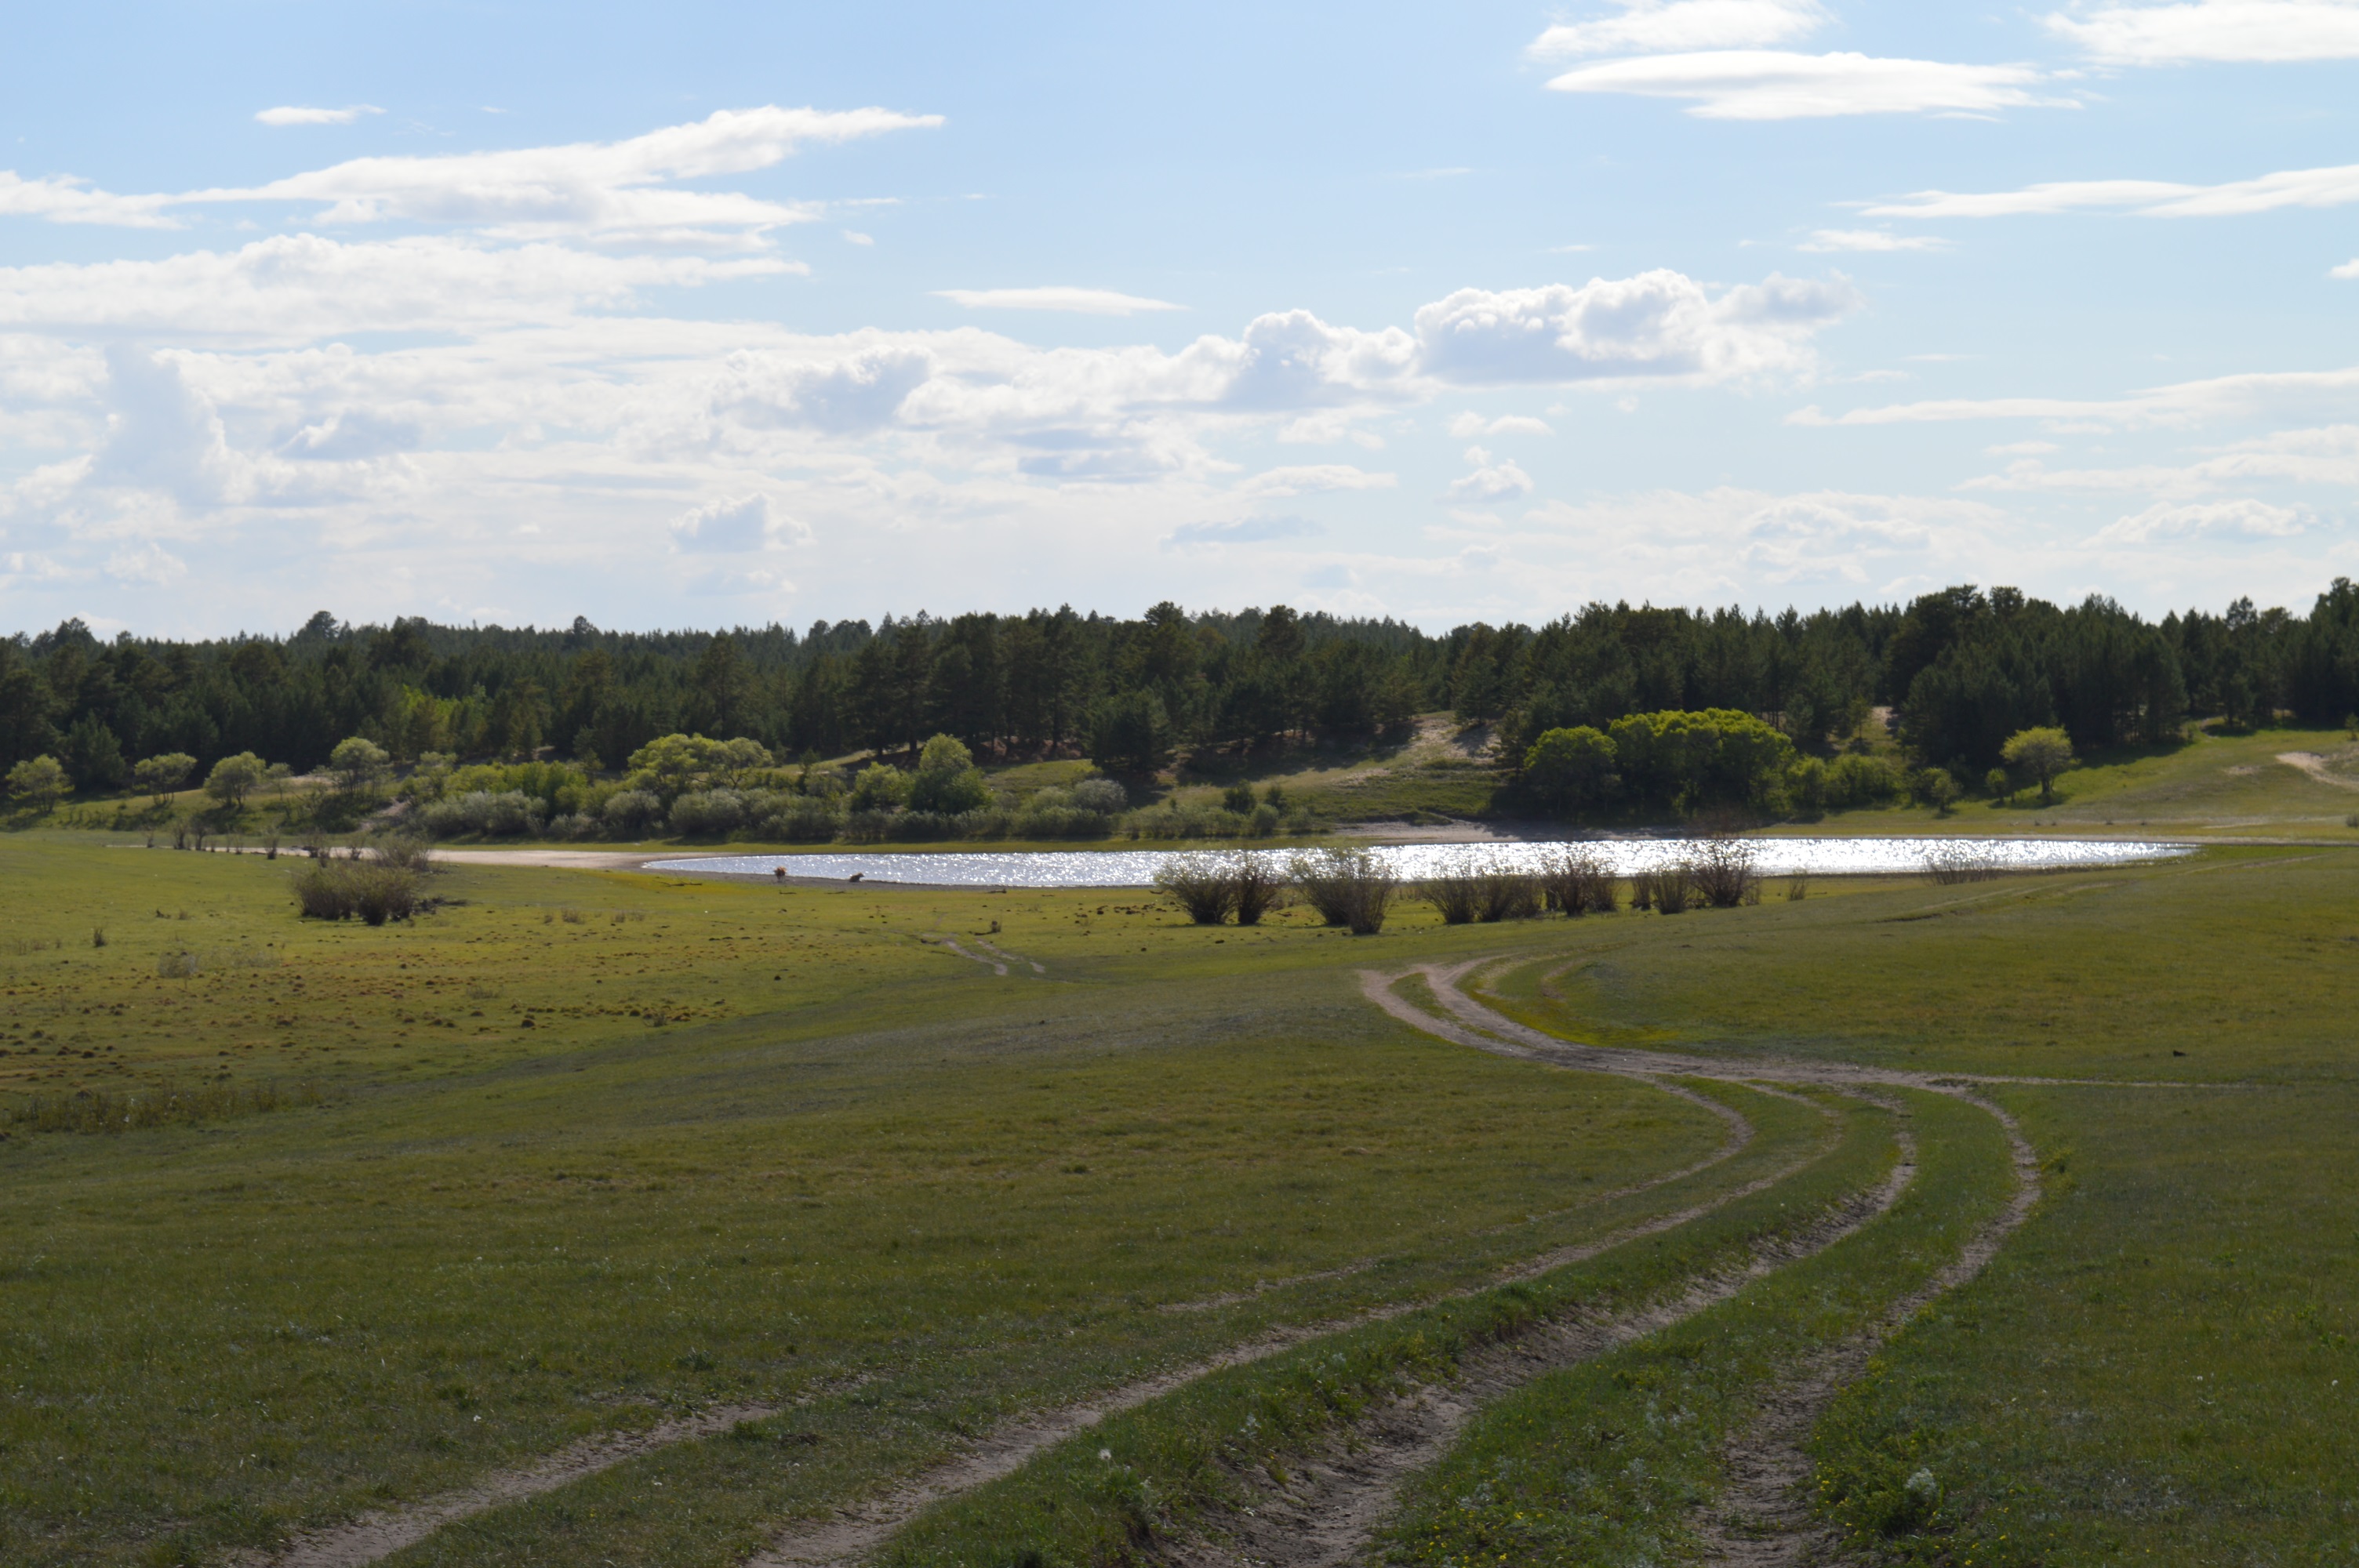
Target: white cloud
{"type": "Point", "coordinates": [1470, 425]}
{"type": "Point", "coordinates": [2021, 449]}
{"type": "Point", "coordinates": [302, 286]}
{"type": "Point", "coordinates": [2323, 456]}
{"type": "Point", "coordinates": [1768, 84]}
{"type": "Point", "coordinates": [1651, 26]}
{"type": "Point", "coordinates": [1659, 324]}
{"type": "Point", "coordinates": [290, 114]}
{"type": "Point", "coordinates": [610, 192]}
{"type": "Point", "coordinates": [65, 199]}
{"type": "Point", "coordinates": [1310, 478]}
{"type": "Point", "coordinates": [731, 527]}
{"type": "Point", "coordinates": [1830, 239]}
{"type": "Point", "coordinates": [2332, 187]}
{"type": "Point", "coordinates": [2349, 269]}
{"type": "Point", "coordinates": [1491, 480]}
{"type": "Point", "coordinates": [2215, 520]}
{"type": "Point", "coordinates": [148, 563]}
{"type": "Point", "coordinates": [855, 237]}
{"type": "Point", "coordinates": [2181, 402]}
{"type": "Point", "coordinates": [1077, 301]}
{"type": "Point", "coordinates": [2257, 31]}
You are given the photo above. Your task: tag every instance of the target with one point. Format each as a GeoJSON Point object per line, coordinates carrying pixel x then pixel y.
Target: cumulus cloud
{"type": "Point", "coordinates": [291, 114]}
{"type": "Point", "coordinates": [1833, 240]}
{"type": "Point", "coordinates": [608, 191]}
{"type": "Point", "coordinates": [2332, 187]}
{"type": "Point", "coordinates": [849, 396]}
{"type": "Point", "coordinates": [732, 526]}
{"type": "Point", "coordinates": [1659, 26]}
{"type": "Point", "coordinates": [1492, 480]}
{"type": "Point", "coordinates": [2213, 520]}
{"type": "Point", "coordinates": [1075, 301]}
{"type": "Point", "coordinates": [1659, 324]}
{"type": "Point", "coordinates": [1771, 85]}
{"type": "Point", "coordinates": [2349, 269]}
{"type": "Point", "coordinates": [2257, 31]}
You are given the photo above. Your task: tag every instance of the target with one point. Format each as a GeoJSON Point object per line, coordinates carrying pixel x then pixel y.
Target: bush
{"type": "Point", "coordinates": [1570, 769]}
{"type": "Point", "coordinates": [1104, 796]}
{"type": "Point", "coordinates": [1200, 883]}
{"type": "Point", "coordinates": [1854, 781]}
{"type": "Point", "coordinates": [504, 815]}
{"type": "Point", "coordinates": [707, 814]}
{"type": "Point", "coordinates": [1259, 886]}
{"type": "Point", "coordinates": [333, 889]}
{"type": "Point", "coordinates": [802, 819]}
{"type": "Point", "coordinates": [1455, 895]}
{"type": "Point", "coordinates": [1948, 864]}
{"type": "Point", "coordinates": [1577, 881]}
{"type": "Point", "coordinates": [632, 812]}
{"type": "Point", "coordinates": [1351, 888]}
{"type": "Point", "coordinates": [881, 787]}
{"type": "Point", "coordinates": [1667, 890]}
{"type": "Point", "coordinates": [406, 853]}
{"type": "Point", "coordinates": [1724, 873]}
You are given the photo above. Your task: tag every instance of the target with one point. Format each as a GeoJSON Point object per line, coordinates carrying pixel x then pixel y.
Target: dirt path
{"type": "Point", "coordinates": [1324, 1513]}
{"type": "Point", "coordinates": [1763, 1518]}
{"type": "Point", "coordinates": [994, 965]}
{"type": "Point", "coordinates": [375, 1535]}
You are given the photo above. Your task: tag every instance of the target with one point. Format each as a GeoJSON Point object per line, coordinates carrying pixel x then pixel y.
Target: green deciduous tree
{"type": "Point", "coordinates": [39, 781]}
{"type": "Point", "coordinates": [235, 778]}
{"type": "Point", "coordinates": [161, 775]}
{"type": "Point", "coordinates": [2043, 752]}
{"type": "Point", "coordinates": [358, 762]}
{"type": "Point", "coordinates": [1570, 769]}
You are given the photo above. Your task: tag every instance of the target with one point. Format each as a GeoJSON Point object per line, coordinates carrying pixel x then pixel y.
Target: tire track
{"type": "Point", "coordinates": [1324, 1513]}
{"type": "Point", "coordinates": [382, 1532]}
{"type": "Point", "coordinates": [860, 1528]}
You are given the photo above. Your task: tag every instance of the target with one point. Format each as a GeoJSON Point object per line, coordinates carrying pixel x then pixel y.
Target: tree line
{"type": "Point", "coordinates": [1965, 668]}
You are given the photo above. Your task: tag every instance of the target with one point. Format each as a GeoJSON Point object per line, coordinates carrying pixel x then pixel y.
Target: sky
{"type": "Point", "coordinates": [713, 313]}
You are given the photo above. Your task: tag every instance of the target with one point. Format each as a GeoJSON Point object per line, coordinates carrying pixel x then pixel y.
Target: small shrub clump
{"type": "Point", "coordinates": [375, 892]}
{"type": "Point", "coordinates": [1350, 887]}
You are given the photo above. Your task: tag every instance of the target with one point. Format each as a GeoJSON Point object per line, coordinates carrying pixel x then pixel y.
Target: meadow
{"type": "Point", "coordinates": [576, 1154]}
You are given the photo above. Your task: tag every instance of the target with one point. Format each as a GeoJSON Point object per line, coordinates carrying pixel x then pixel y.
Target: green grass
{"type": "Point", "coordinates": [776, 1145]}
{"type": "Point", "coordinates": [1171, 1461]}
{"type": "Point", "coordinates": [845, 1155]}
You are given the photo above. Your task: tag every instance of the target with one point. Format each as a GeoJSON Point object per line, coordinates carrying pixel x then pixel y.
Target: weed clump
{"type": "Point", "coordinates": [1201, 884]}
{"type": "Point", "coordinates": [1724, 873]}
{"type": "Point", "coordinates": [1957, 862]}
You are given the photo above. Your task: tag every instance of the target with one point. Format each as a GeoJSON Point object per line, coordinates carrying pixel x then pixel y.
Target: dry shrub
{"type": "Point", "coordinates": [1577, 881]}
{"type": "Point", "coordinates": [1200, 883]}
{"type": "Point", "coordinates": [1798, 887]}
{"type": "Point", "coordinates": [1726, 873]}
{"type": "Point", "coordinates": [405, 853]}
{"type": "Point", "coordinates": [1259, 886]}
{"type": "Point", "coordinates": [1667, 891]}
{"type": "Point", "coordinates": [1351, 888]}
{"type": "Point", "coordinates": [1962, 862]}
{"type": "Point", "coordinates": [1456, 895]}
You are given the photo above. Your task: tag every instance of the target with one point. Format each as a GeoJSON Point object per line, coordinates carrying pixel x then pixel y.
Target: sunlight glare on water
{"type": "Point", "coordinates": [1137, 867]}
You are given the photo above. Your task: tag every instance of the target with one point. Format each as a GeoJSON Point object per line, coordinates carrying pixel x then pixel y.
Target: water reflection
{"type": "Point", "coordinates": [1135, 867]}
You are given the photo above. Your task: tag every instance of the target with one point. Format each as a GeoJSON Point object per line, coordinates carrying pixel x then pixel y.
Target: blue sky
{"type": "Point", "coordinates": [721, 314]}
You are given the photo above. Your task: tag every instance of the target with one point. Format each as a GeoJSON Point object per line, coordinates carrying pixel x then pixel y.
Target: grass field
{"type": "Point", "coordinates": [579, 1152]}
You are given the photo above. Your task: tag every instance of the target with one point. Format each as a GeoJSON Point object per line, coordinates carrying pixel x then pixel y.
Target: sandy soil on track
{"type": "Point", "coordinates": [375, 1535]}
